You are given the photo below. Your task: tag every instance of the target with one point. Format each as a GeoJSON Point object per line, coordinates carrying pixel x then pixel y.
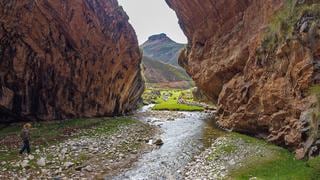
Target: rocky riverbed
{"type": "Point", "coordinates": [226, 154]}
{"type": "Point", "coordinates": [160, 145]}
{"type": "Point", "coordinates": [183, 134]}
{"type": "Point", "coordinates": [193, 149]}
{"type": "Point", "coordinates": [90, 155]}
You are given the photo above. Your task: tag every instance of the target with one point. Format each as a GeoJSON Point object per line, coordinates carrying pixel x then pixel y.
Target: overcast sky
{"type": "Point", "coordinates": [149, 17]}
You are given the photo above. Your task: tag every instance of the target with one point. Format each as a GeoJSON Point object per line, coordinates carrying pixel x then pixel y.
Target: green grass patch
{"type": "Point", "coordinates": [169, 100]}
{"type": "Point", "coordinates": [251, 140]}
{"type": "Point", "coordinates": [223, 149]}
{"type": "Point", "coordinates": [111, 126]}
{"type": "Point", "coordinates": [276, 164]}
{"type": "Point", "coordinates": [279, 165]}
{"type": "Point", "coordinates": [176, 107]}
{"type": "Point", "coordinates": [315, 165]}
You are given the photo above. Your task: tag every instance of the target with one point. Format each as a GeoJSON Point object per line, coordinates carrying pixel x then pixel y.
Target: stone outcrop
{"type": "Point", "coordinates": [67, 58]}
{"type": "Point", "coordinates": [258, 76]}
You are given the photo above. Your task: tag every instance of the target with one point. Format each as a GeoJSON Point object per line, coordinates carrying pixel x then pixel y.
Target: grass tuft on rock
{"type": "Point", "coordinates": [283, 23]}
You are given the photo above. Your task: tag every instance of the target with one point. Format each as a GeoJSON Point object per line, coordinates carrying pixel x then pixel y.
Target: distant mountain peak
{"type": "Point", "coordinates": [157, 37]}
{"type": "Point", "coordinates": [161, 47]}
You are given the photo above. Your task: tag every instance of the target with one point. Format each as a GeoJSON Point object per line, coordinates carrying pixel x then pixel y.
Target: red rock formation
{"type": "Point", "coordinates": [259, 91]}
{"type": "Point", "coordinates": [67, 58]}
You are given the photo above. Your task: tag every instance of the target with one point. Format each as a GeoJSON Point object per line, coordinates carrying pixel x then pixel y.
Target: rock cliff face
{"type": "Point", "coordinates": [67, 58]}
{"type": "Point", "coordinates": [257, 60]}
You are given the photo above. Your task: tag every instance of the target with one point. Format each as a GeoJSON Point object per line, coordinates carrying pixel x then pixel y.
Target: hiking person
{"type": "Point", "coordinates": [25, 137]}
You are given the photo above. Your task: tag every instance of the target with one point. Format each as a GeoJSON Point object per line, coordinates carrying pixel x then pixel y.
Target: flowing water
{"type": "Point", "coordinates": [184, 137]}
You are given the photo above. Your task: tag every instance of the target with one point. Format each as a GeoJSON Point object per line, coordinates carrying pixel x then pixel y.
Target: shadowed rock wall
{"type": "Point", "coordinates": [67, 58]}
{"type": "Point", "coordinates": [260, 90]}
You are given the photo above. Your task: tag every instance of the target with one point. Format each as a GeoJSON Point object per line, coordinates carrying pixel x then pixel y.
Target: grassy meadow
{"type": "Point", "coordinates": [171, 100]}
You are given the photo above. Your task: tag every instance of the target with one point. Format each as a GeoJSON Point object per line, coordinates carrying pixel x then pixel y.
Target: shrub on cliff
{"type": "Point", "coordinates": [285, 24]}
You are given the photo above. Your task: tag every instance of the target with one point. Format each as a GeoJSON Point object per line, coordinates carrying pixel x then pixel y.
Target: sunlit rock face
{"type": "Point", "coordinates": [67, 58]}
{"type": "Point", "coordinates": [258, 91]}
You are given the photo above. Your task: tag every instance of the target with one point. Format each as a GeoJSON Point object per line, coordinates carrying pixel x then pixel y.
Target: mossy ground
{"type": "Point", "coordinates": [223, 149]}
{"type": "Point", "coordinates": [277, 164]}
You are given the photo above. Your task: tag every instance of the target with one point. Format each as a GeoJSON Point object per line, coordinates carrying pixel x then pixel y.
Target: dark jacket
{"type": "Point", "coordinates": [25, 134]}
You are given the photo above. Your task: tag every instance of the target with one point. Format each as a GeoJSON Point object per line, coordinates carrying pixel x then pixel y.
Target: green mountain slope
{"type": "Point", "coordinates": [160, 74]}
{"type": "Point", "coordinates": [161, 47]}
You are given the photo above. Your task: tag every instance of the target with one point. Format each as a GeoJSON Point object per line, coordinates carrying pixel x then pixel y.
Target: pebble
{"type": "Point", "coordinates": [66, 154]}
{"type": "Point", "coordinates": [232, 162]}
{"type": "Point", "coordinates": [121, 155]}
{"type": "Point", "coordinates": [218, 167]}
{"type": "Point", "coordinates": [158, 142]}
{"type": "Point", "coordinates": [41, 162]}
{"type": "Point", "coordinates": [24, 163]}
{"type": "Point", "coordinates": [88, 169]}
{"type": "Point", "coordinates": [30, 157]}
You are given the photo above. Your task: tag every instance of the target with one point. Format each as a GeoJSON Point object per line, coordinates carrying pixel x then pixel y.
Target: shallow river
{"type": "Point", "coordinates": [184, 136]}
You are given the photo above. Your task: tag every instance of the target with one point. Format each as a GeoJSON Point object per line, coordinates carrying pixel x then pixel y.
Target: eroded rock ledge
{"type": "Point", "coordinates": [64, 59]}
{"type": "Point", "coordinates": [259, 80]}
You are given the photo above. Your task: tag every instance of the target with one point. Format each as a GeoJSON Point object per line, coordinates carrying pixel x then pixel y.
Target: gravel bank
{"type": "Point", "coordinates": [225, 154]}
{"type": "Point", "coordinates": [91, 155]}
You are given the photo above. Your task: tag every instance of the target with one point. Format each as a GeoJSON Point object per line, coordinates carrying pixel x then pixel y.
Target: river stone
{"type": "Point", "coordinates": [232, 162]}
{"type": "Point", "coordinates": [88, 168]}
{"type": "Point", "coordinates": [64, 151]}
{"type": "Point", "coordinates": [25, 163]}
{"type": "Point", "coordinates": [158, 142]}
{"type": "Point", "coordinates": [68, 164]}
{"type": "Point", "coordinates": [170, 119]}
{"type": "Point", "coordinates": [41, 162]}
{"type": "Point", "coordinates": [79, 168]}
{"type": "Point", "coordinates": [30, 157]}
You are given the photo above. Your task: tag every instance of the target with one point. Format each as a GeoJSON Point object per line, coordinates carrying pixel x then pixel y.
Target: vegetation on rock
{"type": "Point", "coordinates": [284, 23]}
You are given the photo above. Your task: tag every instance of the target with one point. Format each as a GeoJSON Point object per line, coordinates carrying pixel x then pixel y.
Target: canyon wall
{"type": "Point", "coordinates": [256, 59]}
{"type": "Point", "coordinates": [67, 58]}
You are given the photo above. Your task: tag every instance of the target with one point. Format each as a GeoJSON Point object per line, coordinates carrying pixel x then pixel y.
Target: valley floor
{"type": "Point", "coordinates": [85, 148]}
{"type": "Point", "coordinates": [235, 156]}
{"type": "Point", "coordinates": [124, 148]}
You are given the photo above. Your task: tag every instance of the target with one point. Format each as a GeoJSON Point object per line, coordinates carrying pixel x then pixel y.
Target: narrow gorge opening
{"type": "Point", "coordinates": [71, 88]}
{"type": "Point", "coordinates": [161, 41]}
